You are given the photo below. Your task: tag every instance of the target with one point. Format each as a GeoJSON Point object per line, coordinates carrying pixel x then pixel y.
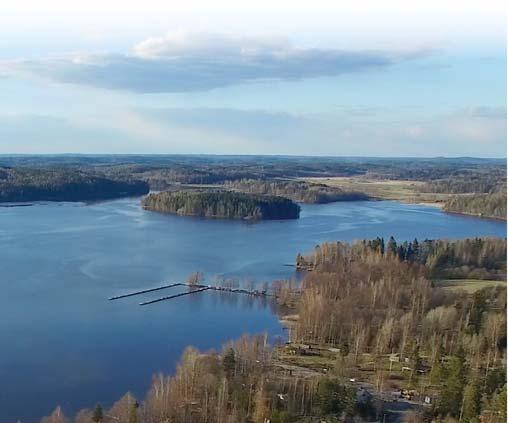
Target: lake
{"type": "Point", "coordinates": [63, 343]}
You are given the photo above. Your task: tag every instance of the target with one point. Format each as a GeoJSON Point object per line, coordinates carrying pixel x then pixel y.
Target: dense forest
{"type": "Point", "coordinates": [26, 184]}
{"type": "Point", "coordinates": [222, 204]}
{"type": "Point", "coordinates": [485, 205]}
{"type": "Point", "coordinates": [476, 258]}
{"type": "Point", "coordinates": [299, 191]}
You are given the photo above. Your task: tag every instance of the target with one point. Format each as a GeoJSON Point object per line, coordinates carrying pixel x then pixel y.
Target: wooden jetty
{"type": "Point", "coordinates": [169, 297]}
{"type": "Point", "coordinates": [193, 288]}
{"type": "Point", "coordinates": [200, 288]}
{"type": "Point", "coordinates": [144, 291]}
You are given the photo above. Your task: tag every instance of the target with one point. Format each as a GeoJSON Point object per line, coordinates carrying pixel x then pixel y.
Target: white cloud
{"type": "Point", "coordinates": [183, 44]}
{"type": "Point", "coordinates": [182, 62]}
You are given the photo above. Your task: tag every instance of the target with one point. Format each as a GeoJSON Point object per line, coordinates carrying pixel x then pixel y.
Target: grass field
{"type": "Point", "coordinates": [400, 190]}
{"type": "Point", "coordinates": [468, 285]}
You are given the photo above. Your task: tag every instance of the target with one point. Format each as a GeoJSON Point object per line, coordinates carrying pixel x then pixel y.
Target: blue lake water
{"type": "Point", "coordinates": [62, 342]}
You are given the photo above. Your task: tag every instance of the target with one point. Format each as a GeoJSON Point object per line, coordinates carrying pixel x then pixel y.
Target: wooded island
{"type": "Point", "coordinates": [222, 204]}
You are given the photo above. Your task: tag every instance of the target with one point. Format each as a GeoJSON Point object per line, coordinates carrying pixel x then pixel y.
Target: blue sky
{"type": "Point", "coordinates": [317, 80]}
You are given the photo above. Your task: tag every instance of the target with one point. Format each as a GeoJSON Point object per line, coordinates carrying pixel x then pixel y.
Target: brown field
{"type": "Point", "coordinates": [400, 190]}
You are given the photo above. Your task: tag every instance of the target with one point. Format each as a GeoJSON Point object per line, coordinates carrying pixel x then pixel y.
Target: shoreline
{"type": "Point", "coordinates": [478, 216]}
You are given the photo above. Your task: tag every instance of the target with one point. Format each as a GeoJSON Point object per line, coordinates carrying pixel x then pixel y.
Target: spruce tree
{"type": "Point", "coordinates": [392, 246]}
{"type": "Point", "coordinates": [472, 401]}
{"type": "Point", "coordinates": [98, 414]}
{"type": "Point", "coordinates": [453, 387]}
{"type": "Point", "coordinates": [415, 362]}
{"type": "Point", "coordinates": [229, 362]}
{"type": "Point", "coordinates": [499, 406]}
{"type": "Point", "coordinates": [436, 373]}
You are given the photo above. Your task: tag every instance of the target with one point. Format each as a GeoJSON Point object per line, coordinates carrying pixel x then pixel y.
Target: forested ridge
{"type": "Point", "coordinates": [222, 204]}
{"type": "Point", "coordinates": [25, 185]}
{"type": "Point", "coordinates": [299, 191]}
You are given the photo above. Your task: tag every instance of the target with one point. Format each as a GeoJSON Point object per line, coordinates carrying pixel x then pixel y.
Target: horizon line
{"type": "Point", "coordinates": [331, 156]}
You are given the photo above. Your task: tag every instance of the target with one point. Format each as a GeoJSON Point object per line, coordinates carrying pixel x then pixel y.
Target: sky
{"type": "Point", "coordinates": [341, 78]}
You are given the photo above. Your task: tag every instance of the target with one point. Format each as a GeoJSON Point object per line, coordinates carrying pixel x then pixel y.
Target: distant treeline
{"type": "Point", "coordinates": [476, 258]}
{"type": "Point", "coordinates": [222, 204]}
{"type": "Point", "coordinates": [25, 184]}
{"type": "Point", "coordinates": [485, 205]}
{"type": "Point", "coordinates": [202, 170]}
{"type": "Point", "coordinates": [299, 191]}
{"type": "Point", "coordinates": [469, 182]}
{"type": "Point", "coordinates": [457, 175]}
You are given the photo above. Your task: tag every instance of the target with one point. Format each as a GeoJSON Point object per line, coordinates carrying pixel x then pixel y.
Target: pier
{"type": "Point", "coordinates": [144, 291]}
{"type": "Point", "coordinates": [169, 297]}
{"type": "Point", "coordinates": [193, 289]}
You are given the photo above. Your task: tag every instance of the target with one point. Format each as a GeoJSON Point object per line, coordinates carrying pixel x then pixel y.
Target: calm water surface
{"type": "Point", "coordinates": [62, 342]}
